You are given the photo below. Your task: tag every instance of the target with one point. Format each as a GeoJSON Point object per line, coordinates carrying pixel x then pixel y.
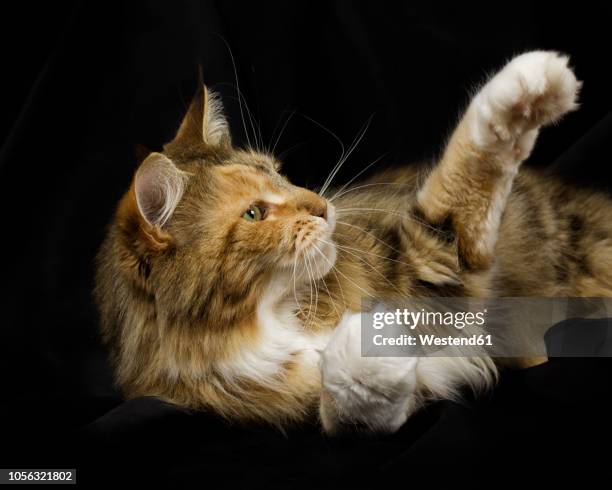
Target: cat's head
{"type": "Point", "coordinates": [209, 229]}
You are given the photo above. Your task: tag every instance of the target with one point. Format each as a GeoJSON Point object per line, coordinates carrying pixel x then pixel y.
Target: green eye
{"type": "Point", "coordinates": [254, 213]}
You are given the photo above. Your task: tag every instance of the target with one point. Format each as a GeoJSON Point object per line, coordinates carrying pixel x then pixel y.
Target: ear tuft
{"type": "Point", "coordinates": [158, 186]}
{"type": "Point", "coordinates": [215, 130]}
{"type": "Point", "coordinates": [204, 123]}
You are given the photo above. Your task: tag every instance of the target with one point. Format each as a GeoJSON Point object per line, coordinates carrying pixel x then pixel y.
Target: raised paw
{"type": "Point", "coordinates": [377, 392]}
{"type": "Point", "coordinates": [532, 90]}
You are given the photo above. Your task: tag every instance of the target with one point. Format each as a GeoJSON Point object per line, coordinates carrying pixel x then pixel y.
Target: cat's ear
{"type": "Point", "coordinates": [143, 212]}
{"type": "Point", "coordinates": [204, 122]}
{"type": "Point", "coordinates": [158, 187]}
{"type": "Point", "coordinates": [156, 190]}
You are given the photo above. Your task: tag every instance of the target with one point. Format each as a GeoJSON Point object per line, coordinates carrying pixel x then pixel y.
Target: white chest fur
{"type": "Point", "coordinates": [281, 339]}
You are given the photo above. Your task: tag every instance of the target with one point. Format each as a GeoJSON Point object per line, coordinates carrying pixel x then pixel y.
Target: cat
{"type": "Point", "coordinates": [223, 287]}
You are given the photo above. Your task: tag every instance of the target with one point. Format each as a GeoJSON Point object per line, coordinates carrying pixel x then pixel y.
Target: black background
{"type": "Point", "coordinates": [84, 82]}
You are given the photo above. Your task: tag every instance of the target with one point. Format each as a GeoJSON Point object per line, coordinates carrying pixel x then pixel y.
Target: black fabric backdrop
{"type": "Point", "coordinates": [83, 83]}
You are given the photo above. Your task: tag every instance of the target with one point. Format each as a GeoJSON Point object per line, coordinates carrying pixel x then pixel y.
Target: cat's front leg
{"type": "Point", "coordinates": [470, 185]}
{"type": "Point", "coordinates": [533, 90]}
{"type": "Point", "coordinates": [380, 393]}
{"type": "Point", "coordinates": [377, 393]}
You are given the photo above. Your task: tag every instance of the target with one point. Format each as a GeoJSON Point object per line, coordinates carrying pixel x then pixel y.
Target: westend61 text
{"type": "Point", "coordinates": [433, 340]}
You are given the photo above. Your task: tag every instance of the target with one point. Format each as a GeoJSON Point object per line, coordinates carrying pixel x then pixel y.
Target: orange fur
{"type": "Point", "coordinates": [180, 302]}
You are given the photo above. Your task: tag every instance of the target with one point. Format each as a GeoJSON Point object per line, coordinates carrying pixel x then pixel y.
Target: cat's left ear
{"type": "Point", "coordinates": [204, 123]}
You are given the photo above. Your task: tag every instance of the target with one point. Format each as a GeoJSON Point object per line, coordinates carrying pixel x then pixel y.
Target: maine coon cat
{"type": "Point", "coordinates": [206, 282]}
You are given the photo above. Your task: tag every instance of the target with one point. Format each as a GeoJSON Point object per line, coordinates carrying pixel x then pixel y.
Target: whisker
{"type": "Point", "coordinates": [276, 126]}
{"type": "Point", "coordinates": [297, 302]}
{"type": "Point", "coordinates": [316, 288]}
{"type": "Point", "coordinates": [282, 154]}
{"type": "Point", "coordinates": [340, 194]}
{"type": "Point", "coordinates": [311, 301]}
{"type": "Point", "coordinates": [341, 247]}
{"type": "Point", "coordinates": [369, 295]}
{"type": "Point", "coordinates": [251, 118]}
{"type": "Point", "coordinates": [333, 269]}
{"type": "Point", "coordinates": [331, 297]}
{"type": "Point", "coordinates": [395, 213]}
{"type": "Point", "coordinates": [352, 147]}
{"type": "Point", "coordinates": [357, 176]}
{"type": "Point", "coordinates": [260, 146]}
{"type": "Point", "coordinates": [371, 234]}
{"type": "Point", "coordinates": [375, 270]}
{"type": "Point", "coordinates": [253, 122]}
{"type": "Point", "coordinates": [344, 158]}
{"type": "Point", "coordinates": [310, 288]}
{"type": "Point", "coordinates": [327, 130]}
{"type": "Point", "coordinates": [237, 89]}
{"type": "Point", "coordinates": [280, 134]}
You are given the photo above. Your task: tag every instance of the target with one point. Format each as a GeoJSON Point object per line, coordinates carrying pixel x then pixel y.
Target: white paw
{"type": "Point", "coordinates": [532, 90]}
{"type": "Point", "coordinates": [374, 391]}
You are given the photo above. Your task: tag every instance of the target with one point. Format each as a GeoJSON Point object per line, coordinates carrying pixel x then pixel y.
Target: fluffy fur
{"type": "Point", "coordinates": [211, 311]}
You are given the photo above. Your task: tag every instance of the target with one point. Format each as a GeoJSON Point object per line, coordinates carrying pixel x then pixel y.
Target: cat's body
{"type": "Point", "coordinates": [211, 307]}
{"type": "Point", "coordinates": [554, 240]}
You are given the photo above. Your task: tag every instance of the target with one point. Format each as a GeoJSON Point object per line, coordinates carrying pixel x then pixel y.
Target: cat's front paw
{"type": "Point", "coordinates": [376, 392]}
{"type": "Point", "coordinates": [532, 90]}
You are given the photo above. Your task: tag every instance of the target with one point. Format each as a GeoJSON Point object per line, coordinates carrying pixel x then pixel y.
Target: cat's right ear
{"type": "Point", "coordinates": [156, 190]}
